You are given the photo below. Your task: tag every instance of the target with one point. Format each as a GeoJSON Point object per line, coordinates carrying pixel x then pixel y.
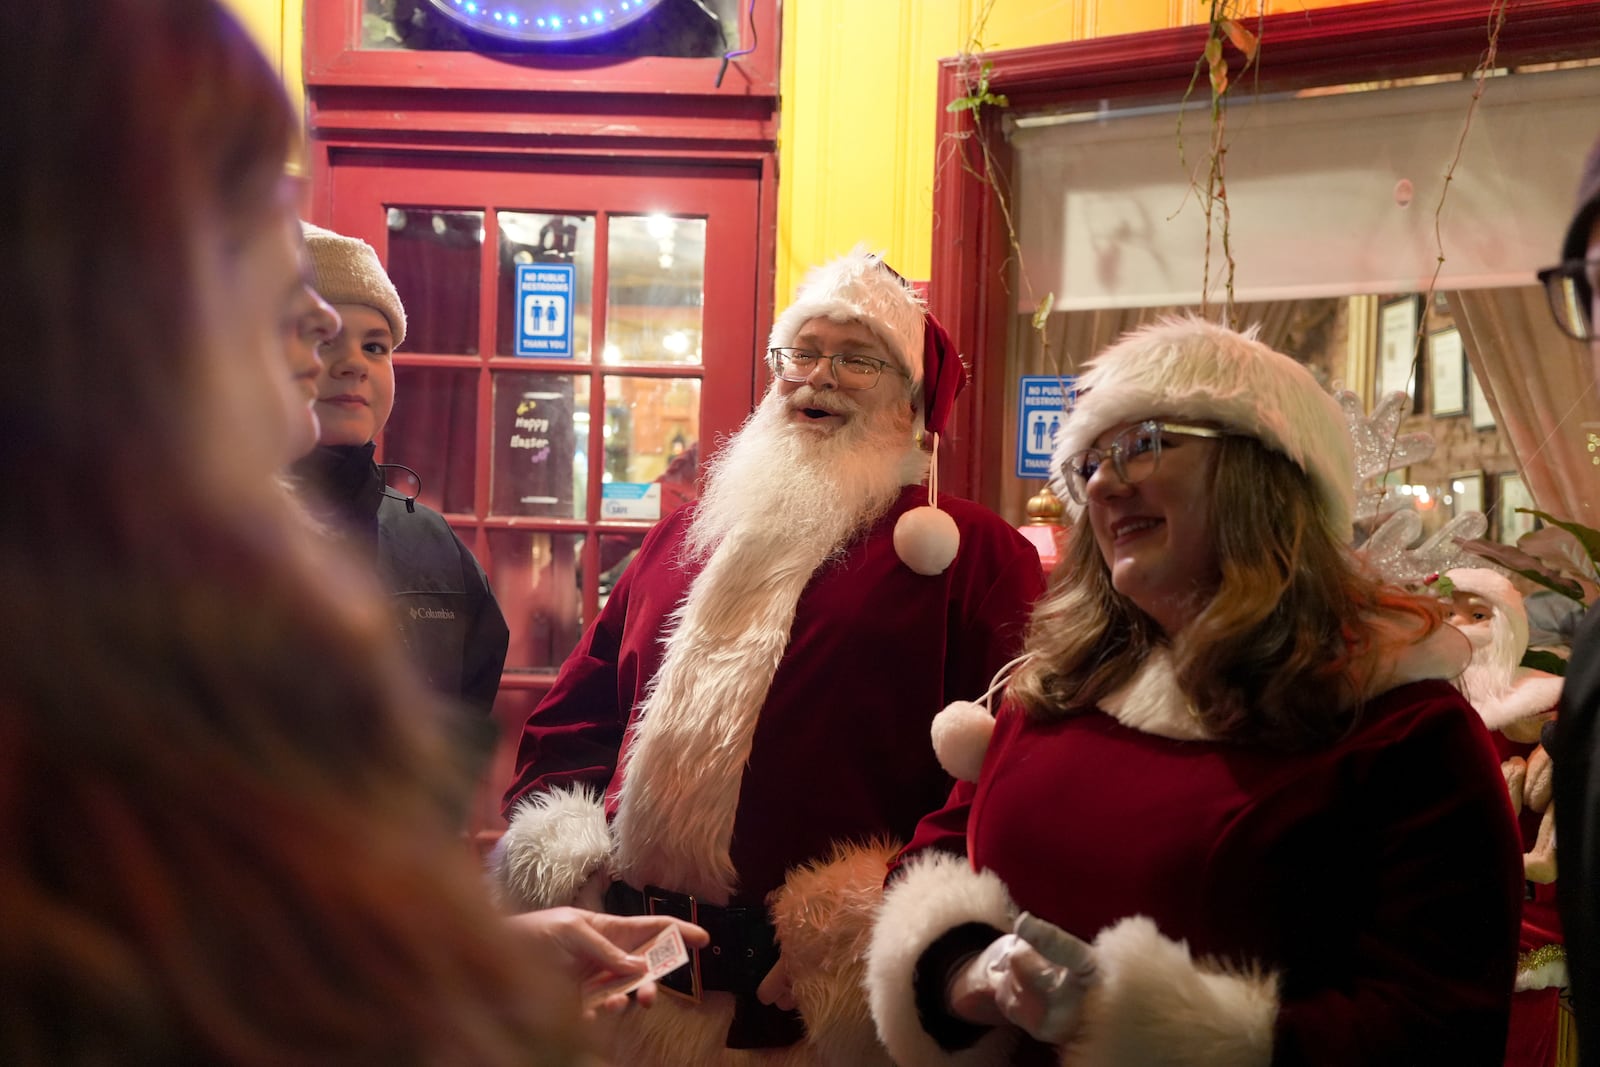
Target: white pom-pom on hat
{"type": "Point", "coordinates": [961, 735]}
{"type": "Point", "coordinates": [926, 539]}
{"type": "Point", "coordinates": [961, 732]}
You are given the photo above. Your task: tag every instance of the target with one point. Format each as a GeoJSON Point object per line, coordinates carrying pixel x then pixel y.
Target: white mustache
{"type": "Point", "coordinates": [808, 397]}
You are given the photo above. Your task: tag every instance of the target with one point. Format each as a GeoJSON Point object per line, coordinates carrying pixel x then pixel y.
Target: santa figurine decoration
{"type": "Point", "coordinates": [1516, 702]}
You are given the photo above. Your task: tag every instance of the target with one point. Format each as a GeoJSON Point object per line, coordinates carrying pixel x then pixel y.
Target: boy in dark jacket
{"type": "Point", "coordinates": [445, 609]}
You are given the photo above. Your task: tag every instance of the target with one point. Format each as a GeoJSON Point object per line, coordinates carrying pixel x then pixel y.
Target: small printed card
{"type": "Point", "coordinates": [664, 954]}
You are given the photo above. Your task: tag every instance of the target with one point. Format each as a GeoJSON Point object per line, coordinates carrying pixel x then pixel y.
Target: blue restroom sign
{"type": "Point", "coordinates": [544, 309]}
{"type": "Point", "coordinates": [1041, 408]}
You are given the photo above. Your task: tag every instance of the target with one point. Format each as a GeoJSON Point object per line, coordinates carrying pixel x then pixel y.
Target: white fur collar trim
{"type": "Point", "coordinates": [1152, 703]}
{"type": "Point", "coordinates": [684, 762]}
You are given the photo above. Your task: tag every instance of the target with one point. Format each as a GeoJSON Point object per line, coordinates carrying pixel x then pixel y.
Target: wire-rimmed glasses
{"type": "Point", "coordinates": [1134, 454]}
{"type": "Point", "coordinates": [851, 371]}
{"type": "Point", "coordinates": [1571, 296]}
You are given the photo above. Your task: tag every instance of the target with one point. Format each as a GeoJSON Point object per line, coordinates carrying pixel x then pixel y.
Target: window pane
{"type": "Point", "coordinates": [434, 431]}
{"type": "Point", "coordinates": [537, 583]}
{"type": "Point", "coordinates": [532, 237]}
{"type": "Point", "coordinates": [656, 272]}
{"type": "Point", "coordinates": [435, 258]}
{"type": "Point", "coordinates": [539, 457]}
{"type": "Point", "coordinates": [616, 552]}
{"type": "Point", "coordinates": [652, 435]}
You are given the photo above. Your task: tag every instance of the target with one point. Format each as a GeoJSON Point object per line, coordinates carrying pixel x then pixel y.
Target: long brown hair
{"type": "Point", "coordinates": [220, 782]}
{"type": "Point", "coordinates": [1276, 654]}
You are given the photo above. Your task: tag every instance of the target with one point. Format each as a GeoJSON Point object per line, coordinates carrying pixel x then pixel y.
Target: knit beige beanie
{"type": "Point", "coordinates": [345, 270]}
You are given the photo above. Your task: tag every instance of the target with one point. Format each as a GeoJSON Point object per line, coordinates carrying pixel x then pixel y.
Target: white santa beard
{"type": "Point", "coordinates": [1496, 655]}
{"type": "Point", "coordinates": [780, 501]}
{"type": "Point", "coordinates": [1481, 683]}
{"type": "Point", "coordinates": [778, 482]}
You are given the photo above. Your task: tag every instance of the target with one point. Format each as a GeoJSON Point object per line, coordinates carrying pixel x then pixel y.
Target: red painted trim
{"type": "Point", "coordinates": [520, 115]}
{"type": "Point", "coordinates": [766, 278]}
{"type": "Point", "coordinates": [1362, 42]}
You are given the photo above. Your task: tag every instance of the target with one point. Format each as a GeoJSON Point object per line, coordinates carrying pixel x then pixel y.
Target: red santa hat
{"type": "Point", "coordinates": [860, 287]}
{"type": "Point", "coordinates": [1194, 370]}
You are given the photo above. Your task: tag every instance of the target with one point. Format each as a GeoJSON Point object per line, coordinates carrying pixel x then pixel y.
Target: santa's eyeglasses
{"type": "Point", "coordinates": [1571, 295]}
{"type": "Point", "coordinates": [851, 371]}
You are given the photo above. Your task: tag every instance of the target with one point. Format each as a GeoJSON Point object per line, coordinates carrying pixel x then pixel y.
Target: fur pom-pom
{"type": "Point", "coordinates": [926, 540]}
{"type": "Point", "coordinates": [961, 735]}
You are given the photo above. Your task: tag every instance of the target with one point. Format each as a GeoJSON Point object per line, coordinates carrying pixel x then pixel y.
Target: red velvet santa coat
{"type": "Point", "coordinates": [834, 752]}
{"type": "Point", "coordinates": [1365, 895]}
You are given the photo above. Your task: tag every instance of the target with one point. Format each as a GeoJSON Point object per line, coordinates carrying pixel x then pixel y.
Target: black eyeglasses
{"type": "Point", "coordinates": [1134, 454]}
{"type": "Point", "coordinates": [852, 371]}
{"type": "Point", "coordinates": [1571, 297]}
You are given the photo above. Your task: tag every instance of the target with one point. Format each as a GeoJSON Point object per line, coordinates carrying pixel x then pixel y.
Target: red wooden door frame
{"type": "Point", "coordinates": [1384, 39]}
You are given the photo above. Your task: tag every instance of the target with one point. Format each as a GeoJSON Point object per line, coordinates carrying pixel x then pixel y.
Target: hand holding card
{"type": "Point", "coordinates": [663, 954]}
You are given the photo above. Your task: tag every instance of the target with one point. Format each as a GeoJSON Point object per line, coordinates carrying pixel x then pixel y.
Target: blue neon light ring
{"type": "Point", "coordinates": [546, 20]}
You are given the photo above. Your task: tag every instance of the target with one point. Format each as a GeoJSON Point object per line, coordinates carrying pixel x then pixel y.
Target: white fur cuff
{"type": "Point", "coordinates": [937, 893]}
{"type": "Point", "coordinates": [1154, 1005]}
{"type": "Point", "coordinates": [556, 840]}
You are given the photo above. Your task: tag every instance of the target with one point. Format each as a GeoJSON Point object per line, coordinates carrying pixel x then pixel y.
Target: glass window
{"type": "Point", "coordinates": [652, 446]}
{"type": "Point", "coordinates": [434, 262]}
{"type": "Point", "coordinates": [434, 431]}
{"type": "Point", "coordinates": [528, 237]}
{"type": "Point", "coordinates": [539, 462]}
{"type": "Point", "coordinates": [537, 582]}
{"type": "Point", "coordinates": [655, 289]}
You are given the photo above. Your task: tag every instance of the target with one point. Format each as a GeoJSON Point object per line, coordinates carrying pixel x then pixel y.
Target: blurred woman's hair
{"type": "Point", "coordinates": [220, 782]}
{"type": "Point", "coordinates": [1271, 656]}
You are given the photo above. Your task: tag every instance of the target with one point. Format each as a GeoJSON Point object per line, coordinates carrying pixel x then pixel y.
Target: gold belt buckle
{"type": "Point", "coordinates": [695, 990]}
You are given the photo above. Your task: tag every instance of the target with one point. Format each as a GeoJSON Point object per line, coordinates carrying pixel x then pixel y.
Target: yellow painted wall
{"type": "Point", "coordinates": [278, 28]}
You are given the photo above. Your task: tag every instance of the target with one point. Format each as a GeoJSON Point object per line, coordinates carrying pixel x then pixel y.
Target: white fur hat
{"type": "Point", "coordinates": [859, 286]}
{"type": "Point", "coordinates": [346, 270]}
{"type": "Point", "coordinates": [1188, 368]}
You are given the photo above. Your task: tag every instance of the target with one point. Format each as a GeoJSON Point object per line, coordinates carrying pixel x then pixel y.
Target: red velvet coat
{"type": "Point", "coordinates": [1379, 877]}
{"type": "Point", "coordinates": [840, 751]}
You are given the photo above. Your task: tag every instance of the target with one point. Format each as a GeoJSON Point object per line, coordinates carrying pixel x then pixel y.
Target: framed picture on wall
{"type": "Point", "coordinates": [1397, 347]}
{"type": "Point", "coordinates": [1447, 373]}
{"type": "Point", "coordinates": [1466, 492]}
{"type": "Point", "coordinates": [1482, 414]}
{"type": "Point", "coordinates": [1510, 494]}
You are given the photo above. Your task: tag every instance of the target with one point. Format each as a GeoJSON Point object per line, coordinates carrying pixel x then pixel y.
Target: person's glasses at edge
{"type": "Point", "coordinates": [1134, 454]}
{"type": "Point", "coordinates": [1570, 290]}
{"type": "Point", "coordinates": [851, 371]}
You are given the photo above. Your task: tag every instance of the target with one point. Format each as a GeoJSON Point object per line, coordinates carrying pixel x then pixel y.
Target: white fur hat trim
{"type": "Point", "coordinates": [858, 286]}
{"type": "Point", "coordinates": [1187, 368]}
{"type": "Point", "coordinates": [1497, 590]}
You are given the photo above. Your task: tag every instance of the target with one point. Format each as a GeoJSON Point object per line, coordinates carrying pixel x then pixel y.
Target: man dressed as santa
{"type": "Point", "coordinates": [740, 738]}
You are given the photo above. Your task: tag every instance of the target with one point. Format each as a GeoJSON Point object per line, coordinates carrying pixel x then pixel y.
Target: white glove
{"type": "Point", "coordinates": [1038, 975]}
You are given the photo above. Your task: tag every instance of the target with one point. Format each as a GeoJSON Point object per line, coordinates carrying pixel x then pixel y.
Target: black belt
{"type": "Point", "coordinates": [743, 949]}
